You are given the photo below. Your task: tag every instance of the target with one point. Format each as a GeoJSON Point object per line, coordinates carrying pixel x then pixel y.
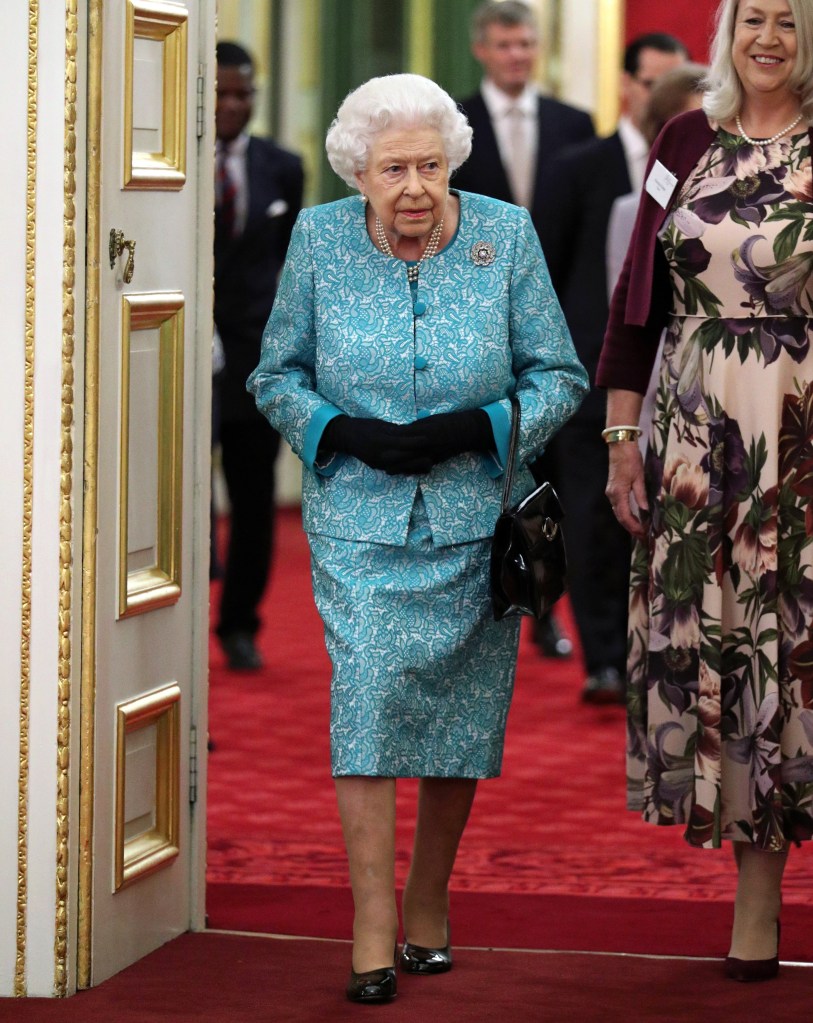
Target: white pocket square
{"type": "Point", "coordinates": [277, 208]}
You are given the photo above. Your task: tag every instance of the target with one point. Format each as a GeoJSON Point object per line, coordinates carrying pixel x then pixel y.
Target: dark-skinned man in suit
{"type": "Point", "coordinates": [585, 181]}
{"type": "Point", "coordinates": [258, 195]}
{"type": "Point", "coordinates": [517, 131]}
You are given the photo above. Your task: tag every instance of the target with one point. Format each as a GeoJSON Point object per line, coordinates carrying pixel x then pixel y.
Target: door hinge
{"type": "Point", "coordinates": [193, 765]}
{"type": "Point", "coordinates": [199, 110]}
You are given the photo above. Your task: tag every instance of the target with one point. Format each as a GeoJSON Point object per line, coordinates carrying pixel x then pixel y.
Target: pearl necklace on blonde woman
{"type": "Point", "coordinates": [764, 142]}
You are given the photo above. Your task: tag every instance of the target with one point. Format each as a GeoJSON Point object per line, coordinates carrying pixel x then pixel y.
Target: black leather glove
{"type": "Point", "coordinates": [381, 445]}
{"type": "Point", "coordinates": [451, 433]}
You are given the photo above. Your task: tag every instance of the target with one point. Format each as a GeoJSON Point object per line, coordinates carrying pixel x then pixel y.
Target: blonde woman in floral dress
{"type": "Point", "coordinates": [720, 737]}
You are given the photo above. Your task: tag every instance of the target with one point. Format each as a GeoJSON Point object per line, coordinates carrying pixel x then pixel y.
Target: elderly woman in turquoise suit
{"type": "Point", "coordinates": [405, 319]}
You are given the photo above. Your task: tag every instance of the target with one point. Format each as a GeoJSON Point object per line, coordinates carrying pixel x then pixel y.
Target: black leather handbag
{"type": "Point", "coordinates": [528, 561]}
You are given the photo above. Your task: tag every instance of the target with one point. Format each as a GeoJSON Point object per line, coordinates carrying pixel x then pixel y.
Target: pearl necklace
{"type": "Point", "coordinates": [428, 252]}
{"type": "Point", "coordinates": [764, 142]}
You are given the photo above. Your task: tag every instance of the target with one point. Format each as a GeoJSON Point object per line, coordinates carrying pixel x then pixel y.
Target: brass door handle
{"type": "Point", "coordinates": [118, 243]}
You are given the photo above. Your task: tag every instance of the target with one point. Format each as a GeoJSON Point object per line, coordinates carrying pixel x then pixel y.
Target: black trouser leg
{"type": "Point", "coordinates": [248, 450]}
{"type": "Point", "coordinates": [598, 549]}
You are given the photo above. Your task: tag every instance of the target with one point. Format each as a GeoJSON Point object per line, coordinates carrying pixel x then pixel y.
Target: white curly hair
{"type": "Point", "coordinates": [393, 101]}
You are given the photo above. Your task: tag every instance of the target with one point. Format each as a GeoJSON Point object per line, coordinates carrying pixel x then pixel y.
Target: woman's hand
{"type": "Point", "coordinates": [411, 449]}
{"type": "Point", "coordinates": [625, 487]}
{"type": "Point", "coordinates": [447, 434]}
{"type": "Point", "coordinates": [390, 447]}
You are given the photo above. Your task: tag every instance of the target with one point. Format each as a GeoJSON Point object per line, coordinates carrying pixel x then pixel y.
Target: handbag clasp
{"type": "Point", "coordinates": [550, 529]}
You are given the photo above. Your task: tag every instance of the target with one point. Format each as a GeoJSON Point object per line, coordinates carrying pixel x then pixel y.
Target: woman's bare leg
{"type": "Point", "coordinates": [758, 901]}
{"type": "Point", "coordinates": [443, 809]}
{"type": "Point", "coordinates": [367, 812]}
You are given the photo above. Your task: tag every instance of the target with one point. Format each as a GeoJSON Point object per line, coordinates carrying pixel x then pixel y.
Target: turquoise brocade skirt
{"type": "Point", "coordinates": [422, 674]}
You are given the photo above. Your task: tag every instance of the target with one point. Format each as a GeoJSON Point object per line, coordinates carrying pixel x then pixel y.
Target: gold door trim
{"type": "Point", "coordinates": [91, 497]}
{"type": "Point", "coordinates": [28, 499]}
{"type": "Point", "coordinates": [66, 507]}
{"type": "Point", "coordinates": [159, 584]}
{"type": "Point", "coordinates": [167, 24]}
{"type": "Point", "coordinates": [157, 846]}
{"type": "Point", "coordinates": [610, 49]}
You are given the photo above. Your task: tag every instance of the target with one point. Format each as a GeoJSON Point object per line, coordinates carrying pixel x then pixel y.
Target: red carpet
{"type": "Point", "coordinates": [554, 824]}
{"type": "Point", "coordinates": [219, 978]}
{"type": "Point", "coordinates": [578, 923]}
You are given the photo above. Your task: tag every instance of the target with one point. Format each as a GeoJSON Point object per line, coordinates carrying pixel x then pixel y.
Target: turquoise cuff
{"type": "Point", "coordinates": [501, 428]}
{"type": "Point", "coordinates": [313, 436]}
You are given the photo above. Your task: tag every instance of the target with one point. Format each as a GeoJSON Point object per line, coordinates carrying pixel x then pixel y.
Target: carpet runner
{"type": "Point", "coordinates": [224, 978]}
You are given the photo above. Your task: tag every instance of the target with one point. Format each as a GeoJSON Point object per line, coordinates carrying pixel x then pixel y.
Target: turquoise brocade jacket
{"type": "Point", "coordinates": [347, 335]}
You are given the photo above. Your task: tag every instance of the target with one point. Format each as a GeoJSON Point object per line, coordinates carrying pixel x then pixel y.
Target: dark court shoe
{"type": "Point", "coordinates": [417, 959]}
{"type": "Point", "coordinates": [241, 651]}
{"type": "Point", "coordinates": [374, 986]}
{"type": "Point", "coordinates": [750, 970]}
{"type": "Point", "coordinates": [604, 686]}
{"type": "Point", "coordinates": [550, 639]}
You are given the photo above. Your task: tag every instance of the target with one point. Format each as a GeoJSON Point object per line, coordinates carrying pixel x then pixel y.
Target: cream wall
{"type": "Point", "coordinates": [13, 70]}
{"type": "Point", "coordinates": [579, 51]}
{"type": "Point", "coordinates": [42, 832]}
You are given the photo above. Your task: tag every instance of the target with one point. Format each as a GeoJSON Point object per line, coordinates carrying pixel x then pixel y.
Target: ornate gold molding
{"type": "Point", "coordinates": [66, 506]}
{"type": "Point", "coordinates": [28, 498]}
{"type": "Point", "coordinates": [90, 503]}
{"type": "Point", "coordinates": [154, 846]}
{"type": "Point", "coordinates": [166, 24]}
{"type": "Point", "coordinates": [158, 583]}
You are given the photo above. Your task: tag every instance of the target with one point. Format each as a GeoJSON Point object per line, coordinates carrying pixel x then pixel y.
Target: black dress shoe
{"type": "Point", "coordinates": [241, 651]}
{"type": "Point", "coordinates": [374, 985]}
{"type": "Point", "coordinates": [751, 970]}
{"type": "Point", "coordinates": [417, 959]}
{"type": "Point", "coordinates": [604, 686]}
{"type": "Point", "coordinates": [550, 639]}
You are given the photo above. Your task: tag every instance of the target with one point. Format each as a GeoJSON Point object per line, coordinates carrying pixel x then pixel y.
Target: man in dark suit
{"type": "Point", "coordinates": [585, 181]}
{"type": "Point", "coordinates": [258, 196]}
{"type": "Point", "coordinates": [516, 132]}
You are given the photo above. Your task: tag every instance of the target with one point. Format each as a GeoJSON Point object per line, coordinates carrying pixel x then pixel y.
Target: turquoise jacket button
{"type": "Point", "coordinates": [419, 308]}
{"type": "Point", "coordinates": [420, 362]}
{"type": "Point", "coordinates": [423, 413]}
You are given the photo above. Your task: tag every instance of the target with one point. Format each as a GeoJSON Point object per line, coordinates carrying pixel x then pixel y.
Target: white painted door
{"type": "Point", "coordinates": [146, 446]}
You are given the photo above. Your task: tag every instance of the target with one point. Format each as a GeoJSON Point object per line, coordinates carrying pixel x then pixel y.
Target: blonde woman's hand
{"type": "Point", "coordinates": [625, 487]}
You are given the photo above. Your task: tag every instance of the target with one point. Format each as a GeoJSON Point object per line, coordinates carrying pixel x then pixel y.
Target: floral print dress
{"type": "Point", "coordinates": [720, 650]}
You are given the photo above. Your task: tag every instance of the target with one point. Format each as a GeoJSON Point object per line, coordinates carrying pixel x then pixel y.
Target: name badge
{"type": "Point", "coordinates": [661, 184]}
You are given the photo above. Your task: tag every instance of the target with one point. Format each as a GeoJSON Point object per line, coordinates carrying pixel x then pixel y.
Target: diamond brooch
{"type": "Point", "coordinates": [483, 253]}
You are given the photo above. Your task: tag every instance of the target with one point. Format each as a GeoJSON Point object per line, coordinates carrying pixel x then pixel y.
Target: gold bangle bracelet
{"type": "Point", "coordinates": [616, 434]}
{"type": "Point", "coordinates": [621, 426]}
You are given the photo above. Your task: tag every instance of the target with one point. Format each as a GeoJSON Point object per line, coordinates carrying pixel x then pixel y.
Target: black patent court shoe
{"type": "Point", "coordinates": [751, 970]}
{"type": "Point", "coordinates": [421, 960]}
{"type": "Point", "coordinates": [373, 986]}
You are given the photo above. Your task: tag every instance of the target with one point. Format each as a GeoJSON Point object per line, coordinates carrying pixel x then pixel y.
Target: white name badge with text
{"type": "Point", "coordinates": [661, 184]}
